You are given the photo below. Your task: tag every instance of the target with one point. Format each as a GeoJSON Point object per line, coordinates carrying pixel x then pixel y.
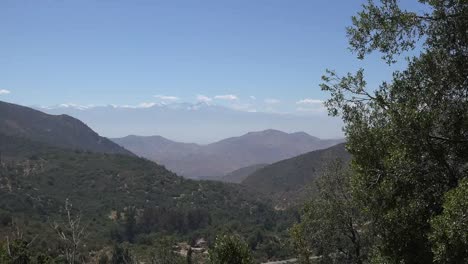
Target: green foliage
{"type": "Point", "coordinates": [286, 181]}
{"type": "Point", "coordinates": [331, 225]}
{"type": "Point", "coordinates": [121, 255]}
{"type": "Point", "coordinates": [450, 236]}
{"type": "Point", "coordinates": [103, 184]}
{"type": "Point", "coordinates": [103, 259]}
{"type": "Point", "coordinates": [408, 137]}
{"type": "Point", "coordinates": [4, 256]}
{"type": "Point", "coordinates": [230, 250]}
{"type": "Point", "coordinates": [43, 259]}
{"type": "Point", "coordinates": [130, 224]}
{"type": "Point", "coordinates": [15, 252]}
{"type": "Point", "coordinates": [164, 254]}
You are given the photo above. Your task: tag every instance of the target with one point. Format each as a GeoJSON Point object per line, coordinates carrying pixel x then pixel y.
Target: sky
{"type": "Point", "coordinates": [268, 53]}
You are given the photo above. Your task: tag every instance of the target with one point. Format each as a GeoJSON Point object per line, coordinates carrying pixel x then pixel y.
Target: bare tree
{"type": "Point", "coordinates": [71, 233]}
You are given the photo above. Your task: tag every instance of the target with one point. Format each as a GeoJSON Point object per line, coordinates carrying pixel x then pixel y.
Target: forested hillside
{"type": "Point", "coordinates": [56, 130]}
{"type": "Point", "coordinates": [37, 179]}
{"type": "Point", "coordinates": [290, 182]}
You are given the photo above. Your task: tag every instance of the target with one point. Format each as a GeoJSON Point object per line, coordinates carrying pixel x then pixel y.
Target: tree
{"type": "Point", "coordinates": [17, 252]}
{"type": "Point", "coordinates": [408, 137]}
{"type": "Point", "coordinates": [188, 258]}
{"type": "Point", "coordinates": [130, 224]}
{"type": "Point", "coordinates": [331, 224]}
{"type": "Point", "coordinates": [71, 233]}
{"type": "Point", "coordinates": [163, 253]}
{"type": "Point", "coordinates": [230, 250]}
{"type": "Point", "coordinates": [121, 255]}
{"type": "Point", "coordinates": [450, 236]}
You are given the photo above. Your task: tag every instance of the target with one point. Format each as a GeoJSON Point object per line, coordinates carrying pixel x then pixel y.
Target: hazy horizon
{"type": "Point", "coordinates": [260, 60]}
{"type": "Point", "coordinates": [200, 123]}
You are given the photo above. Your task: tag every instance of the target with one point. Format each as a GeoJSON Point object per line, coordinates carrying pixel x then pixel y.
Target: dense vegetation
{"type": "Point", "coordinates": [288, 182]}
{"type": "Point", "coordinates": [56, 130]}
{"type": "Point", "coordinates": [126, 199]}
{"type": "Point", "coordinates": [408, 139]}
{"type": "Point", "coordinates": [230, 249]}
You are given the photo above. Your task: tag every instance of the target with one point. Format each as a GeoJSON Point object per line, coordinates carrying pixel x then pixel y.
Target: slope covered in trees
{"type": "Point", "coordinates": [124, 198]}
{"type": "Point", "coordinates": [56, 130]}
{"type": "Point", "coordinates": [288, 182]}
{"type": "Point", "coordinates": [241, 174]}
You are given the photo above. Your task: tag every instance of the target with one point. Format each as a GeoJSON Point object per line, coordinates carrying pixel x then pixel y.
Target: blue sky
{"type": "Point", "coordinates": [126, 52]}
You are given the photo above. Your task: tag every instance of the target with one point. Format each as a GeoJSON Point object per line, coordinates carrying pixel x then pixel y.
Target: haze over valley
{"type": "Point", "coordinates": [198, 122]}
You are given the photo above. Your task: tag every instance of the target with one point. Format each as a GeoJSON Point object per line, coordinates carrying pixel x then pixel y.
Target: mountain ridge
{"type": "Point", "coordinates": [193, 122]}
{"type": "Point", "coordinates": [56, 130]}
{"type": "Point", "coordinates": [219, 158]}
{"type": "Point", "coordinates": [289, 180]}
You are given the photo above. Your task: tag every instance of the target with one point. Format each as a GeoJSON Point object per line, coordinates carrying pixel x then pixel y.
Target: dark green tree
{"type": "Point", "coordinates": [331, 224]}
{"type": "Point", "coordinates": [121, 255]}
{"type": "Point", "coordinates": [189, 258]}
{"type": "Point", "coordinates": [408, 137]}
{"type": "Point", "coordinates": [43, 259]}
{"type": "Point", "coordinates": [130, 224]}
{"type": "Point", "coordinates": [164, 254]}
{"type": "Point", "coordinates": [103, 259]}
{"type": "Point", "coordinates": [450, 236]}
{"type": "Point", "coordinates": [16, 251]}
{"type": "Point", "coordinates": [230, 250]}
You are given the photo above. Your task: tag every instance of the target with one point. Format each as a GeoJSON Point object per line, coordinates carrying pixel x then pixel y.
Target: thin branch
{"type": "Point", "coordinates": [448, 139]}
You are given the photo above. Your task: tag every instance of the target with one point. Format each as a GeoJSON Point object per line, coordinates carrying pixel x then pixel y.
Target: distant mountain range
{"type": "Point", "coordinates": [193, 122]}
{"type": "Point", "coordinates": [242, 159]}
{"type": "Point", "coordinates": [288, 181]}
{"type": "Point", "coordinates": [225, 156]}
{"type": "Point", "coordinates": [55, 130]}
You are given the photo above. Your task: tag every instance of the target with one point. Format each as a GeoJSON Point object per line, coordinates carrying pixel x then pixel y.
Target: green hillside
{"type": "Point", "coordinates": [56, 130]}
{"type": "Point", "coordinates": [36, 179]}
{"type": "Point", "coordinates": [289, 180]}
{"type": "Point", "coordinates": [241, 174]}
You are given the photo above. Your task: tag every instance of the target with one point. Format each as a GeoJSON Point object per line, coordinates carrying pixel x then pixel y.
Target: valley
{"type": "Point", "coordinates": [234, 132]}
{"type": "Point", "coordinates": [220, 158]}
{"type": "Point", "coordinates": [106, 184]}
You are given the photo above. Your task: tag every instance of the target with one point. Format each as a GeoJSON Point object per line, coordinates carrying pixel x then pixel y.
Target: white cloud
{"type": "Point", "coordinates": [204, 99]}
{"type": "Point", "coordinates": [309, 101]}
{"type": "Point", "coordinates": [243, 107]}
{"type": "Point", "coordinates": [146, 105]}
{"type": "Point", "coordinates": [3, 91]}
{"type": "Point", "coordinates": [312, 109]}
{"type": "Point", "coordinates": [310, 105]}
{"type": "Point", "coordinates": [272, 101]}
{"type": "Point", "coordinates": [229, 97]}
{"type": "Point", "coordinates": [253, 97]}
{"type": "Point", "coordinates": [140, 105]}
{"type": "Point", "coordinates": [167, 97]}
{"type": "Point", "coordinates": [76, 106]}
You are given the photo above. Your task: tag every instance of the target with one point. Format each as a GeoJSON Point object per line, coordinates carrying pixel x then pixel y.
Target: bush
{"type": "Point", "coordinates": [450, 236]}
{"type": "Point", "coordinates": [230, 250]}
